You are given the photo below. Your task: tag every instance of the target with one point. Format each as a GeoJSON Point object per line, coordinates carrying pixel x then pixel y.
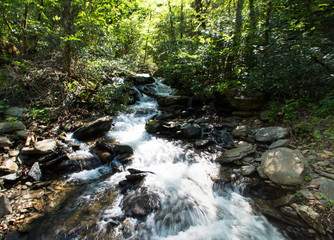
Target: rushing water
{"type": "Point", "coordinates": [191, 208]}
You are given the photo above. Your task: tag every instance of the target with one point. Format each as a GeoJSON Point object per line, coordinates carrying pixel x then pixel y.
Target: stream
{"type": "Point", "coordinates": [191, 205]}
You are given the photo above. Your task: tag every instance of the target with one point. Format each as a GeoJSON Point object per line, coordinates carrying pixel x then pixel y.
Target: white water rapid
{"type": "Point", "coordinates": [191, 207]}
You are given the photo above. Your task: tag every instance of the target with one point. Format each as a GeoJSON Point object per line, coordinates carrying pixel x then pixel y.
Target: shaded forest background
{"type": "Point", "coordinates": [65, 54]}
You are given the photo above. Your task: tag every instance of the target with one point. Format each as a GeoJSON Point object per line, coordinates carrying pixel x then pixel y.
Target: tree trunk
{"type": "Point", "coordinates": [267, 24]}
{"type": "Point", "coordinates": [67, 32]}
{"type": "Point", "coordinates": [236, 41]}
{"type": "Point", "coordinates": [182, 21]}
{"type": "Point", "coordinates": [251, 36]}
{"type": "Point", "coordinates": [171, 22]}
{"type": "Point", "coordinates": [24, 28]}
{"type": "Point", "coordinates": [199, 11]}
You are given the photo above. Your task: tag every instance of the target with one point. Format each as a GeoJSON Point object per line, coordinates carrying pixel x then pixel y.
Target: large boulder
{"type": "Point", "coordinates": [12, 126]}
{"type": "Point", "coordinates": [79, 162]}
{"type": "Point", "coordinates": [284, 166]}
{"type": "Point", "coordinates": [41, 147]}
{"type": "Point", "coordinates": [93, 129]}
{"type": "Point", "coordinates": [236, 153]}
{"type": "Point", "coordinates": [140, 203]}
{"type": "Point", "coordinates": [270, 134]}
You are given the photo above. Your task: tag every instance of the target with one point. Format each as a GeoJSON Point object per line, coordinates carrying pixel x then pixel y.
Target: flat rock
{"type": "Point", "coordinates": [327, 188]}
{"type": "Point", "coordinates": [247, 170]}
{"type": "Point", "coordinates": [10, 177]}
{"type": "Point", "coordinates": [236, 153]}
{"type": "Point", "coordinates": [310, 216]}
{"type": "Point", "coordinates": [42, 147]}
{"type": "Point", "coordinates": [10, 127]}
{"type": "Point", "coordinates": [9, 166]}
{"type": "Point", "coordinates": [284, 166]}
{"type": "Point", "coordinates": [280, 143]}
{"type": "Point", "coordinates": [93, 129]}
{"type": "Point", "coordinates": [5, 142]}
{"type": "Point", "coordinates": [270, 134]}
{"type": "Point", "coordinates": [5, 207]}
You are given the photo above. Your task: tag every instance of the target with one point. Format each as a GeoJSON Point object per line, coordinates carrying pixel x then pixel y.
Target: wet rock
{"type": "Point", "coordinates": [105, 152]}
{"type": "Point", "coordinates": [135, 177]}
{"type": "Point", "coordinates": [123, 149]}
{"type": "Point", "coordinates": [10, 127]}
{"type": "Point", "coordinates": [327, 188]}
{"type": "Point", "coordinates": [42, 147]}
{"type": "Point", "coordinates": [242, 131]}
{"type": "Point", "coordinates": [310, 216]}
{"type": "Point", "coordinates": [9, 166]}
{"type": "Point", "coordinates": [35, 172]}
{"type": "Point", "coordinates": [202, 143]}
{"type": "Point", "coordinates": [93, 129]}
{"type": "Point", "coordinates": [191, 131]}
{"type": "Point", "coordinates": [152, 126]}
{"type": "Point", "coordinates": [5, 142]}
{"type": "Point", "coordinates": [140, 203]}
{"type": "Point", "coordinates": [270, 134]}
{"type": "Point", "coordinates": [284, 166]}
{"type": "Point", "coordinates": [78, 163]}
{"type": "Point", "coordinates": [280, 143]}
{"type": "Point", "coordinates": [248, 170]}
{"type": "Point", "coordinates": [236, 153]}
{"type": "Point", "coordinates": [5, 207]}
{"type": "Point", "coordinates": [117, 166]}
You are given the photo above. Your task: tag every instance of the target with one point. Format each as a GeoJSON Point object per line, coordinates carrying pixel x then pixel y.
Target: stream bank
{"type": "Point", "coordinates": [237, 143]}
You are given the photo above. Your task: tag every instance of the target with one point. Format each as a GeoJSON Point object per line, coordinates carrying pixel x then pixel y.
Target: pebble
{"type": "Point", "coordinates": [29, 184]}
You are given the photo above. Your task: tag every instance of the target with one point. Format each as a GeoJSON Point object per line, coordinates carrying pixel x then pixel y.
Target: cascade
{"type": "Point", "coordinates": [190, 206]}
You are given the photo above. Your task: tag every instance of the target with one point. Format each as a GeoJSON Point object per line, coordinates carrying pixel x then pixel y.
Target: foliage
{"type": "Point", "coordinates": [325, 107]}
{"type": "Point", "coordinates": [113, 98]}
